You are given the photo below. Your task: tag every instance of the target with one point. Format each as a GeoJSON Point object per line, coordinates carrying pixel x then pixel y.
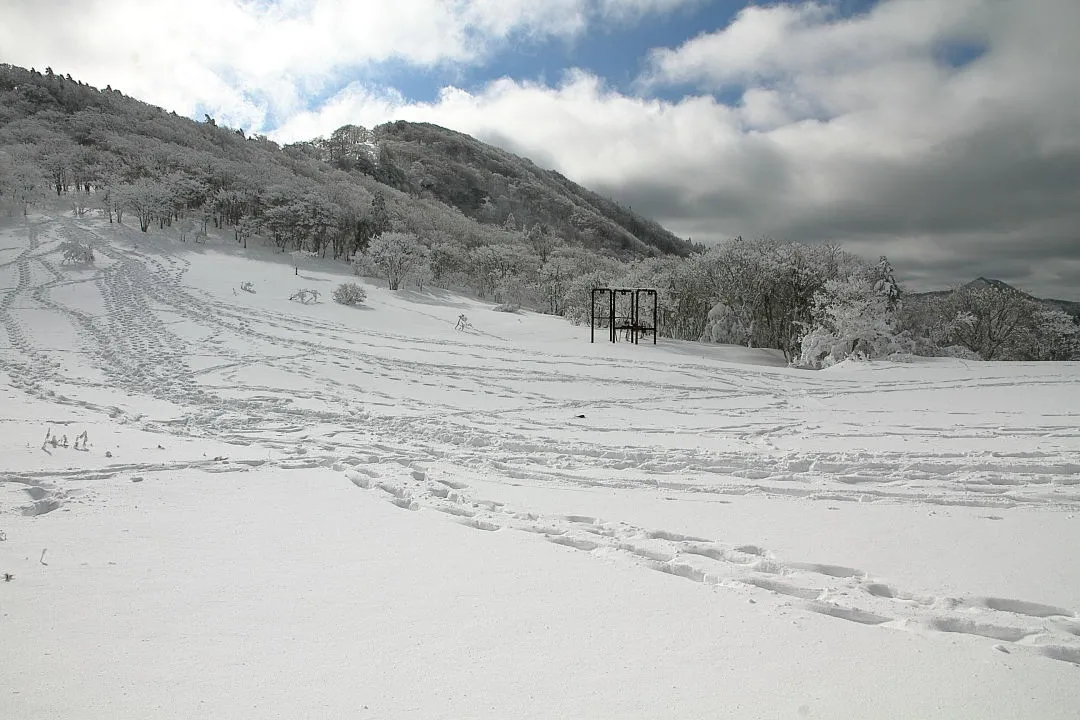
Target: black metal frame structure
{"type": "Point", "coordinates": [632, 323]}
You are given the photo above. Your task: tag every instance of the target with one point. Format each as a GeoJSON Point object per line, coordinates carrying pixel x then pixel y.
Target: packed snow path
{"type": "Point", "coordinates": [651, 458]}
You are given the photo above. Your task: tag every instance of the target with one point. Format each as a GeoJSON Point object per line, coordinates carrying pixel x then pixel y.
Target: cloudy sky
{"type": "Point", "coordinates": [942, 133]}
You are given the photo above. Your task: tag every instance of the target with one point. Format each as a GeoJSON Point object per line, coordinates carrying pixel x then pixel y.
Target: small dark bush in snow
{"type": "Point", "coordinates": [507, 307]}
{"type": "Point", "coordinates": [349, 294]}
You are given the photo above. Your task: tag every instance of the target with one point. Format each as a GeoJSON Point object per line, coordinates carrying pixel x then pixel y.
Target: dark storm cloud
{"type": "Point", "coordinates": [953, 172]}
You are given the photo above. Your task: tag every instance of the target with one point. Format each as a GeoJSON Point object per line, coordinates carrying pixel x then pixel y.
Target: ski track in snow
{"type": "Point", "coordinates": [396, 427]}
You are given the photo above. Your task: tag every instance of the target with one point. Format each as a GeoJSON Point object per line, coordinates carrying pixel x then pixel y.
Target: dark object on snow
{"type": "Point", "coordinates": [581, 417]}
{"type": "Point", "coordinates": [8, 577]}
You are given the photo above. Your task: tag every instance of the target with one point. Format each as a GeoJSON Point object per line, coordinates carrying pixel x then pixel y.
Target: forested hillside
{"type": "Point", "coordinates": [493, 185]}
{"type": "Point", "coordinates": [421, 205]}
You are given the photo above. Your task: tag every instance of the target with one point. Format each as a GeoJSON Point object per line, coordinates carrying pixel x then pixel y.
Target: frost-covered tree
{"type": "Point", "coordinates": [297, 215]}
{"type": "Point", "coordinates": [374, 223]}
{"type": "Point", "coordinates": [395, 255]}
{"type": "Point", "coordinates": [851, 316]}
{"type": "Point", "coordinates": [542, 242]}
{"type": "Point", "coordinates": [109, 201]}
{"type": "Point", "coordinates": [491, 266]}
{"type": "Point", "coordinates": [449, 260]}
{"type": "Point", "coordinates": [422, 272]}
{"type": "Point", "coordinates": [989, 318]}
{"type": "Point", "coordinates": [349, 146]}
{"type": "Point", "coordinates": [743, 272]}
{"type": "Point", "coordinates": [22, 183]}
{"type": "Point", "coordinates": [186, 226]}
{"type": "Point", "coordinates": [1055, 336]}
{"type": "Point", "coordinates": [553, 280]}
{"type": "Point", "coordinates": [724, 325]}
{"type": "Point", "coordinates": [759, 292]}
{"type": "Point", "coordinates": [579, 295]}
{"type": "Point", "coordinates": [146, 199]}
{"type": "Point", "coordinates": [244, 229]}
{"type": "Point", "coordinates": [884, 280]}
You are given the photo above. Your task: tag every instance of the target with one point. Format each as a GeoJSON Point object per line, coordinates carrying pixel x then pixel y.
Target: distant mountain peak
{"type": "Point", "coordinates": [1070, 307]}
{"type": "Point", "coordinates": [998, 285]}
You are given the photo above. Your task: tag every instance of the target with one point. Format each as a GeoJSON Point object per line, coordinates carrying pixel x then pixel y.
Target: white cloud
{"type": "Point", "coordinates": [248, 60]}
{"type": "Point", "coordinates": [846, 131]}
{"type": "Point", "coordinates": [767, 43]}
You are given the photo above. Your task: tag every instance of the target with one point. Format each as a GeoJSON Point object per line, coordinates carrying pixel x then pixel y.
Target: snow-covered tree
{"type": "Point", "coordinates": [725, 325]}
{"type": "Point", "coordinates": [491, 266]}
{"type": "Point", "coordinates": [22, 183]}
{"type": "Point", "coordinates": [395, 254]}
{"type": "Point", "coordinates": [989, 318]}
{"type": "Point", "coordinates": [449, 261]}
{"type": "Point", "coordinates": [110, 201]}
{"type": "Point", "coordinates": [553, 279]}
{"type": "Point", "coordinates": [244, 229]}
{"type": "Point", "coordinates": [146, 199]}
{"type": "Point", "coordinates": [884, 280]}
{"type": "Point", "coordinates": [186, 226]}
{"type": "Point", "coordinates": [1055, 336]}
{"type": "Point", "coordinates": [422, 272]}
{"type": "Point", "coordinates": [579, 294]}
{"type": "Point", "coordinates": [850, 317]}
{"type": "Point", "coordinates": [542, 242]}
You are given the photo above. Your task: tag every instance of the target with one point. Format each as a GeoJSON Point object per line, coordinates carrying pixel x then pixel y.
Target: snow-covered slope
{"type": "Point", "coordinates": [285, 510]}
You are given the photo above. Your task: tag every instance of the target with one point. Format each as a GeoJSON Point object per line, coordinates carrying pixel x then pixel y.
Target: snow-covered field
{"type": "Point", "coordinates": [315, 511]}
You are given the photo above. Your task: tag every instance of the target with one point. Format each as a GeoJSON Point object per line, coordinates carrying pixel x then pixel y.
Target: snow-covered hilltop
{"type": "Point", "coordinates": [217, 502]}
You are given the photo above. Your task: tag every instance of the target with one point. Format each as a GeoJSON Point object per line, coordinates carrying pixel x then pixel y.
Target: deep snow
{"type": "Point", "coordinates": [318, 511]}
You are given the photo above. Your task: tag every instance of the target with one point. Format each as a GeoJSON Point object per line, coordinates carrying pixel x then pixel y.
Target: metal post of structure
{"type": "Point", "coordinates": [655, 325]}
{"type": "Point", "coordinates": [612, 332]}
{"type": "Point", "coordinates": [652, 294]}
{"type": "Point", "coordinates": [592, 317]}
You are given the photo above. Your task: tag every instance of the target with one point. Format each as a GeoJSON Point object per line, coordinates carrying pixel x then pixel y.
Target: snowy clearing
{"type": "Point", "coordinates": [312, 510]}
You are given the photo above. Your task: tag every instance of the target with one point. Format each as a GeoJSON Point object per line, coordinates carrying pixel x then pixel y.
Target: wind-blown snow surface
{"type": "Point", "coordinates": [290, 511]}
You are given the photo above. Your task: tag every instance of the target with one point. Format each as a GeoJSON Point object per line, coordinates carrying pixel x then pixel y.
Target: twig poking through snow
{"type": "Point", "coordinates": [42, 558]}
